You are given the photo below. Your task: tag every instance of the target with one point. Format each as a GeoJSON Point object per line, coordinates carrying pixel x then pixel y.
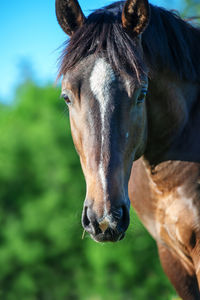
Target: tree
{"type": "Point", "coordinates": [191, 9]}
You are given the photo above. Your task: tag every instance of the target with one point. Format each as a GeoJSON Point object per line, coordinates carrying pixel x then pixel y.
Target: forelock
{"type": "Point", "coordinates": [103, 35]}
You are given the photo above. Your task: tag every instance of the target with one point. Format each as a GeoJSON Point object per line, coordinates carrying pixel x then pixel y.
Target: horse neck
{"type": "Point", "coordinates": [171, 106]}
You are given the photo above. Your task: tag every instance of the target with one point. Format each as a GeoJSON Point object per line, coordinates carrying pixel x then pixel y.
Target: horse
{"type": "Point", "coordinates": [131, 79]}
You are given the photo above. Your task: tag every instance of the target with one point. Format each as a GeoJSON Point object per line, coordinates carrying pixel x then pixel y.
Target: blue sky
{"type": "Point", "coordinates": [30, 32]}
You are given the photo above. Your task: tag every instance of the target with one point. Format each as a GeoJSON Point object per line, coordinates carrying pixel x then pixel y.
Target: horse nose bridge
{"type": "Point", "coordinates": [106, 184]}
{"type": "Point", "coordinates": [105, 202]}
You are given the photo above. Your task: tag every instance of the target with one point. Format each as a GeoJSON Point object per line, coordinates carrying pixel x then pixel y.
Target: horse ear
{"type": "Point", "coordinates": [135, 16]}
{"type": "Point", "coordinates": [69, 15]}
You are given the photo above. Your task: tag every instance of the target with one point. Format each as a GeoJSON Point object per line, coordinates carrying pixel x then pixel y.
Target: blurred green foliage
{"type": "Point", "coordinates": [42, 255]}
{"type": "Point", "coordinates": [191, 8]}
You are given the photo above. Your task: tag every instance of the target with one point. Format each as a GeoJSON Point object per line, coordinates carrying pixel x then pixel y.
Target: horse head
{"type": "Point", "coordinates": [104, 85]}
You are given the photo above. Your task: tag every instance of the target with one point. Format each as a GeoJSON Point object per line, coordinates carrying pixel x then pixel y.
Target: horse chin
{"type": "Point", "coordinates": [108, 236]}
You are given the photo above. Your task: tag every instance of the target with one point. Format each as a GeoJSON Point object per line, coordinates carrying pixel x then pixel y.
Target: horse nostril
{"type": "Point", "coordinates": [118, 213]}
{"type": "Point", "coordinates": [89, 221]}
{"type": "Point", "coordinates": [85, 221]}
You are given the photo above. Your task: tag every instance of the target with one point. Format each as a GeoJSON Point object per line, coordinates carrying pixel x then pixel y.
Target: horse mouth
{"type": "Point", "coordinates": [108, 236]}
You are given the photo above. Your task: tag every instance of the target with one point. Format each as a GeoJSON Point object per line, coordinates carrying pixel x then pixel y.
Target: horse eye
{"type": "Point", "coordinates": [142, 96]}
{"type": "Point", "coordinates": [66, 98]}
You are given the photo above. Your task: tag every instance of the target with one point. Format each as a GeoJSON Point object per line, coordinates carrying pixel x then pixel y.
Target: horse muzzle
{"type": "Point", "coordinates": [110, 227]}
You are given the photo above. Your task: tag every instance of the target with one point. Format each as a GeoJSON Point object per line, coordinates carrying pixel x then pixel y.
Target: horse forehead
{"type": "Point", "coordinates": [101, 78]}
{"type": "Point", "coordinates": [99, 72]}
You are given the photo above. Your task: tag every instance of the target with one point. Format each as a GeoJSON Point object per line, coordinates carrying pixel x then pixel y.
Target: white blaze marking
{"type": "Point", "coordinates": [106, 223]}
{"type": "Point", "coordinates": [101, 79]}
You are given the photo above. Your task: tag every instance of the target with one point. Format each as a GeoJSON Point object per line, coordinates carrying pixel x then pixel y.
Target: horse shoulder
{"type": "Point", "coordinates": [167, 200]}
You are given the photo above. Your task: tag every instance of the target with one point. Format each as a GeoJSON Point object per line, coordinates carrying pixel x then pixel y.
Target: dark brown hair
{"type": "Point", "coordinates": [169, 43]}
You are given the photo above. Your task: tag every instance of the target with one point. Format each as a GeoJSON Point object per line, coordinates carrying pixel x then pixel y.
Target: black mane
{"type": "Point", "coordinates": [169, 43]}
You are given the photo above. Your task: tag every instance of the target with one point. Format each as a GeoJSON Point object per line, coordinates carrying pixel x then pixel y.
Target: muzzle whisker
{"type": "Point", "coordinates": [83, 235]}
